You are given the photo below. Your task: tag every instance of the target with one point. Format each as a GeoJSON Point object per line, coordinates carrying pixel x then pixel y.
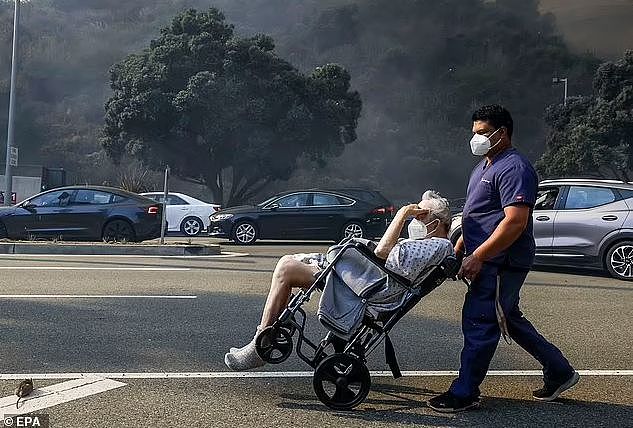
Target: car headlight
{"type": "Point", "coordinates": [220, 217]}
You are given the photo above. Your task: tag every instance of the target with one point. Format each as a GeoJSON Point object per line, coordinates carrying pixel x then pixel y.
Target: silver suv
{"type": "Point", "coordinates": [582, 223]}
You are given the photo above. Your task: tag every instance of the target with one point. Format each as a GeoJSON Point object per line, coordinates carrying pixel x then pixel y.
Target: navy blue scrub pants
{"type": "Point", "coordinates": [482, 332]}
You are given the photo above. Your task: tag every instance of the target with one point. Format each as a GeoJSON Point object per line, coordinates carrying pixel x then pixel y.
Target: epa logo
{"type": "Point", "coordinates": [40, 421]}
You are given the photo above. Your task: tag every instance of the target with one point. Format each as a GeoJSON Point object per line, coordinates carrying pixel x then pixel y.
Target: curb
{"type": "Point", "coordinates": [110, 249]}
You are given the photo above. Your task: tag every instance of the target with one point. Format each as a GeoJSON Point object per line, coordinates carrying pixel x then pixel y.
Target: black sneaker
{"type": "Point", "coordinates": [551, 392]}
{"type": "Point", "coordinates": [450, 403]}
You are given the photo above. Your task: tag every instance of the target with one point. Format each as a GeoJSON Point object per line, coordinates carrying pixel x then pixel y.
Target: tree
{"type": "Point", "coordinates": [593, 136]}
{"type": "Point", "coordinates": [225, 110]}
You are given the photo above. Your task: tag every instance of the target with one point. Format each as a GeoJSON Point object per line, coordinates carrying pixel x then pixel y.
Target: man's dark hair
{"type": "Point", "coordinates": [495, 115]}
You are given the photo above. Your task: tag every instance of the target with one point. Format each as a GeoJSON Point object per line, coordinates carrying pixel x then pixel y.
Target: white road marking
{"type": "Point", "coordinates": [42, 398]}
{"type": "Point", "coordinates": [151, 269]}
{"type": "Point", "coordinates": [223, 255]}
{"type": "Point", "coordinates": [90, 296]}
{"type": "Point", "coordinates": [292, 374]}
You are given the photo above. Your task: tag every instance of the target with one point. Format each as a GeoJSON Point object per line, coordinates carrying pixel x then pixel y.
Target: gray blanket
{"type": "Point", "coordinates": [356, 286]}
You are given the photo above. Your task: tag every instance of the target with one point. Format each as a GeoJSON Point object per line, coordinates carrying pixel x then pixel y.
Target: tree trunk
{"type": "Point", "coordinates": [220, 182]}
{"type": "Point", "coordinates": [213, 181]}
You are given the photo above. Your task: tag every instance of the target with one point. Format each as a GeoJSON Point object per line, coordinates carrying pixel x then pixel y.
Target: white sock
{"type": "Point", "coordinates": [244, 358]}
{"type": "Point", "coordinates": [233, 350]}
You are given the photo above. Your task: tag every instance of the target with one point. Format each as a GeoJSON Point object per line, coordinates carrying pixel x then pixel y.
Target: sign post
{"type": "Point", "coordinates": [8, 173]}
{"type": "Point", "coordinates": [163, 219]}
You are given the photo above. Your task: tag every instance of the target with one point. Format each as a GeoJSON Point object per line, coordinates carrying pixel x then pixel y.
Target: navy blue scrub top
{"type": "Point", "coordinates": [509, 180]}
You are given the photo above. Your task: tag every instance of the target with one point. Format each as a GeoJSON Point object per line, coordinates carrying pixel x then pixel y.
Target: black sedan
{"type": "Point", "coordinates": [308, 214]}
{"type": "Point", "coordinates": [83, 213]}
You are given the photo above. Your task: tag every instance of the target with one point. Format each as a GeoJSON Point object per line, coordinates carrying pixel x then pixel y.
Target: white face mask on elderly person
{"type": "Point", "coordinates": [419, 230]}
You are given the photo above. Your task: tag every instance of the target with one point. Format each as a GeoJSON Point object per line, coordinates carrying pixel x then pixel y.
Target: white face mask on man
{"type": "Point", "coordinates": [480, 144]}
{"type": "Point", "coordinates": [419, 230]}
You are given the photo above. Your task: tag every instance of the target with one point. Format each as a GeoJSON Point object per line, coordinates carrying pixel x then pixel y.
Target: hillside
{"type": "Point", "coordinates": [603, 27]}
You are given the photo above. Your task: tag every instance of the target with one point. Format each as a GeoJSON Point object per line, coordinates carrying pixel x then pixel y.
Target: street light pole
{"type": "Point", "coordinates": [562, 80]}
{"type": "Point", "coordinates": [8, 174]}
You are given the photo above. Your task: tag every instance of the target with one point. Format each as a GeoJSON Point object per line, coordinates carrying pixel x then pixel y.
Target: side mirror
{"type": "Point", "coordinates": [273, 207]}
{"type": "Point", "coordinates": [28, 206]}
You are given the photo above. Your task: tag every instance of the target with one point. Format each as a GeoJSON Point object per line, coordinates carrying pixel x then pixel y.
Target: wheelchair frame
{"type": "Point", "coordinates": [278, 336]}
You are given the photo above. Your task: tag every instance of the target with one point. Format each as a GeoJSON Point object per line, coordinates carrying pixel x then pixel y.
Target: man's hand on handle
{"type": "Point", "coordinates": [470, 266]}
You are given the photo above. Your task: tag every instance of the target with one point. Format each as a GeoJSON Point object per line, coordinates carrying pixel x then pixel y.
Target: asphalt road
{"type": "Point", "coordinates": [180, 315]}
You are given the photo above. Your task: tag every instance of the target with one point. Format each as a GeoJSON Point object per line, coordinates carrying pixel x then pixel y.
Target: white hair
{"type": "Point", "coordinates": [438, 207]}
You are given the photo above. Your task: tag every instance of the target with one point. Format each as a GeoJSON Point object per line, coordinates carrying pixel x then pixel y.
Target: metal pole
{"type": "Point", "coordinates": [8, 173]}
{"type": "Point", "coordinates": [163, 219]}
{"type": "Point", "coordinates": [565, 99]}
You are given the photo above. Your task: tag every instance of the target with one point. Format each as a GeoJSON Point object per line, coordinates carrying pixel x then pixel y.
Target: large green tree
{"type": "Point", "coordinates": [225, 110]}
{"type": "Point", "coordinates": [593, 135]}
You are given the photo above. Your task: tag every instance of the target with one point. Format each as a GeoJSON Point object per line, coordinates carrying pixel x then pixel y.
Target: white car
{"type": "Point", "coordinates": [184, 213]}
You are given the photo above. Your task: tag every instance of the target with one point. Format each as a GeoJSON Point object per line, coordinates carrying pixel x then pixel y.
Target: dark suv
{"type": "Point", "coordinates": [582, 223]}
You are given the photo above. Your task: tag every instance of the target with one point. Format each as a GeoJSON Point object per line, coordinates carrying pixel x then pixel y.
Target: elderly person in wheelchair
{"type": "Point", "coordinates": [428, 244]}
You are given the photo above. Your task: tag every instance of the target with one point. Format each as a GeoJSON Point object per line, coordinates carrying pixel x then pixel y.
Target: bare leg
{"type": "Point", "coordinates": [288, 273]}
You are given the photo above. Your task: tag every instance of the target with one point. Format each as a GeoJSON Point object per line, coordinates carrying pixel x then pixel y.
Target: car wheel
{"type": "Point", "coordinates": [245, 233]}
{"type": "Point", "coordinates": [118, 231]}
{"type": "Point", "coordinates": [191, 226]}
{"type": "Point", "coordinates": [619, 260]}
{"type": "Point", "coordinates": [353, 229]}
{"type": "Point", "coordinates": [3, 231]}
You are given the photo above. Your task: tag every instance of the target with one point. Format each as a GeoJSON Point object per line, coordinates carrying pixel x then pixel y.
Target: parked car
{"type": "Point", "coordinates": [188, 215]}
{"type": "Point", "coordinates": [582, 223]}
{"type": "Point", "coordinates": [83, 213]}
{"type": "Point", "coordinates": [306, 214]}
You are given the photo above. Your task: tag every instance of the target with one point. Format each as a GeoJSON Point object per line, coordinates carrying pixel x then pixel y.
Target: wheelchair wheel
{"type": "Point", "coordinates": [274, 345]}
{"type": "Point", "coordinates": [289, 327]}
{"type": "Point", "coordinates": [341, 381]}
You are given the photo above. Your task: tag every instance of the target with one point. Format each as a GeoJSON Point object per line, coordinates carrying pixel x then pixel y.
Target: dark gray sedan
{"type": "Point", "coordinates": [83, 213]}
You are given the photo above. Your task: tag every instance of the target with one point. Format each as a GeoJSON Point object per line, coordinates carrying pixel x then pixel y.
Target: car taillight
{"type": "Point", "coordinates": [152, 210]}
{"type": "Point", "coordinates": [383, 210]}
